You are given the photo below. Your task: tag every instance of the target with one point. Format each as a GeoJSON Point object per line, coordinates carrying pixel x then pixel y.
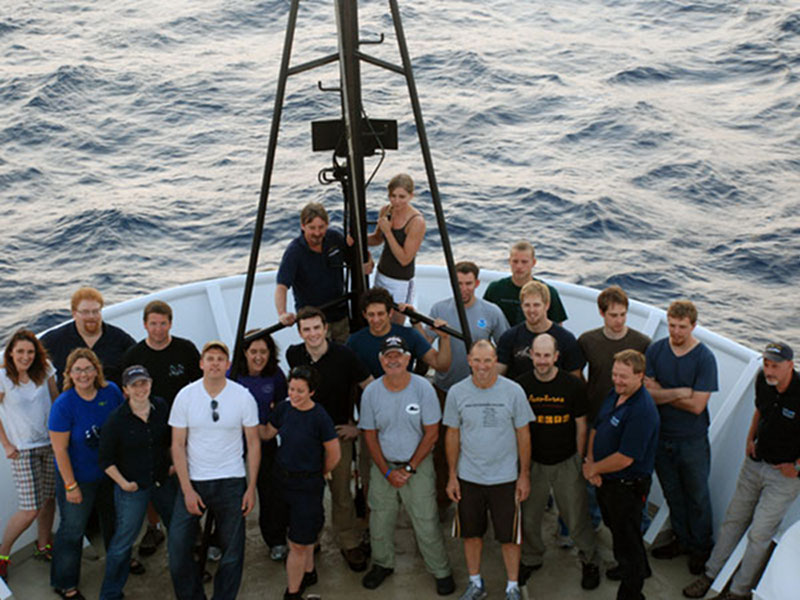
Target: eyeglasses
{"type": "Point", "coordinates": [86, 371]}
{"type": "Point", "coordinates": [95, 312]}
{"type": "Point", "coordinates": [214, 407]}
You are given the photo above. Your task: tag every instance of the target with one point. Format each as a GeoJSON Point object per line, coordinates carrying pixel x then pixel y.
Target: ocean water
{"type": "Point", "coordinates": [654, 144]}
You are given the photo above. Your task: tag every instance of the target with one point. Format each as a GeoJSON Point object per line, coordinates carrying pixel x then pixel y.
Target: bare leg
{"type": "Point", "coordinates": [511, 553]}
{"type": "Point", "coordinates": [296, 564]}
{"type": "Point", "coordinates": [19, 522]}
{"type": "Point", "coordinates": [45, 524]}
{"type": "Point", "coordinates": [472, 555]}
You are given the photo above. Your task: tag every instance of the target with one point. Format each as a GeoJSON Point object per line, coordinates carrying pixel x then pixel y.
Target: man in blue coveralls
{"type": "Point", "coordinates": [619, 462]}
{"type": "Point", "coordinates": [681, 374]}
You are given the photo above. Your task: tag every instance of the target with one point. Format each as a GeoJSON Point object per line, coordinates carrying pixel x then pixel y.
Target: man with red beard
{"type": "Point", "coordinates": [87, 330]}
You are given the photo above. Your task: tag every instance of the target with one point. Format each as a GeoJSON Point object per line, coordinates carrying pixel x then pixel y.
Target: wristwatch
{"type": "Point", "coordinates": [409, 469]}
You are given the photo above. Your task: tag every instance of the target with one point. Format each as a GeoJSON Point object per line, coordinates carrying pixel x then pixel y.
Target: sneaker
{"type": "Point", "coordinates": [697, 562]}
{"type": "Point", "coordinates": [445, 585]}
{"type": "Point", "coordinates": [279, 552]}
{"type": "Point", "coordinates": [375, 576]}
{"type": "Point", "coordinates": [287, 595]}
{"type": "Point", "coordinates": [513, 594]}
{"type": "Point", "coordinates": [309, 579]}
{"type": "Point", "coordinates": [214, 553]}
{"type": "Point", "coordinates": [590, 577]}
{"type": "Point", "coordinates": [525, 572]}
{"type": "Point", "coordinates": [43, 552]}
{"type": "Point", "coordinates": [474, 592]}
{"type": "Point", "coordinates": [698, 588]}
{"type": "Point", "coordinates": [3, 567]}
{"type": "Point", "coordinates": [669, 550]}
{"type": "Point", "coordinates": [152, 538]}
{"type": "Point", "coordinates": [356, 559]}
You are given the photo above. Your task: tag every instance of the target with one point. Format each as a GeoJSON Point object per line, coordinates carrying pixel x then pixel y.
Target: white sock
{"type": "Point", "coordinates": [476, 579]}
{"type": "Point", "coordinates": [511, 585]}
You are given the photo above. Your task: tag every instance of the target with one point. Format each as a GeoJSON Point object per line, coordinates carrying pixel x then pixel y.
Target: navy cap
{"type": "Point", "coordinates": [778, 352]}
{"type": "Point", "coordinates": [133, 374]}
{"type": "Point", "coordinates": [394, 342]}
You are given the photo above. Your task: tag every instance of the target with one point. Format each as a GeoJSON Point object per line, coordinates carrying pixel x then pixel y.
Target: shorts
{"type": "Point", "coordinates": [498, 500]}
{"type": "Point", "coordinates": [401, 290]}
{"type": "Point", "coordinates": [34, 473]}
{"type": "Point", "coordinates": [303, 498]}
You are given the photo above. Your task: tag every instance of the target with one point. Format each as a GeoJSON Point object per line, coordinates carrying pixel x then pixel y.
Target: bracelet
{"type": "Point", "coordinates": [386, 475]}
{"type": "Point", "coordinates": [71, 487]}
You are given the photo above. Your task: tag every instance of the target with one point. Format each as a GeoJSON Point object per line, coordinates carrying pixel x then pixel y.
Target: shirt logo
{"type": "Point", "coordinates": [412, 409]}
{"type": "Point", "coordinates": [176, 370]}
{"type": "Point", "coordinates": [482, 323]}
{"type": "Point", "coordinates": [614, 421]}
{"type": "Point", "coordinates": [788, 413]}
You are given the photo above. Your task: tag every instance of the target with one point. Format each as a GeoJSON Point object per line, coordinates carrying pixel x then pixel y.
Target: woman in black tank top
{"type": "Point", "coordinates": [401, 228]}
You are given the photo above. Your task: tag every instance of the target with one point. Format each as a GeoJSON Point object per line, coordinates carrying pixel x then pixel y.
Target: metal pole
{"type": "Point", "coordinates": [266, 180]}
{"type": "Point", "coordinates": [355, 194]}
{"type": "Point", "coordinates": [426, 156]}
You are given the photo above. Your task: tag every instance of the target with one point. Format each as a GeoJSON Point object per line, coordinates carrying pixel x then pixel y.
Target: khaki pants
{"type": "Point", "coordinates": [346, 529]}
{"type": "Point", "coordinates": [569, 490]}
{"type": "Point", "coordinates": [418, 496]}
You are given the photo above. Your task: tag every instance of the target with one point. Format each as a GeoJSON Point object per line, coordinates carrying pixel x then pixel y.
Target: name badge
{"type": "Point", "coordinates": [614, 421]}
{"type": "Point", "coordinates": [412, 409]}
{"type": "Point", "coordinates": [788, 413]}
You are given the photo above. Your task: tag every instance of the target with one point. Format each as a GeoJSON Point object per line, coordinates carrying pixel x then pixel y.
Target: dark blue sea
{"type": "Point", "coordinates": [654, 144]}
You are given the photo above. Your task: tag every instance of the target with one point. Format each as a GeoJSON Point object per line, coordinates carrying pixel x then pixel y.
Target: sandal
{"type": "Point", "coordinates": [43, 552]}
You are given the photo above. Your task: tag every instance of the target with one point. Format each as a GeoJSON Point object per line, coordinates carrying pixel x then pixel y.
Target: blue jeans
{"type": "Point", "coordinates": [65, 570]}
{"type": "Point", "coordinates": [223, 498]}
{"type": "Point", "coordinates": [682, 466]}
{"type": "Point", "coordinates": [130, 509]}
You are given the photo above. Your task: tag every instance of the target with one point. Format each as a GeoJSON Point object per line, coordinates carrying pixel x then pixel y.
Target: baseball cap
{"type": "Point", "coordinates": [778, 352]}
{"type": "Point", "coordinates": [215, 344]}
{"type": "Point", "coordinates": [133, 374]}
{"type": "Point", "coordinates": [394, 342]}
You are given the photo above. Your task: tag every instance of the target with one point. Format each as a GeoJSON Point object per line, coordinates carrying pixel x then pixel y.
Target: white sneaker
{"type": "Point", "coordinates": [474, 592]}
{"type": "Point", "coordinates": [214, 553]}
{"type": "Point", "coordinates": [278, 552]}
{"type": "Point", "coordinates": [513, 594]}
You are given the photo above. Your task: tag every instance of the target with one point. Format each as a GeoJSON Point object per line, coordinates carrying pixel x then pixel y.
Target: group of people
{"type": "Point", "coordinates": [162, 432]}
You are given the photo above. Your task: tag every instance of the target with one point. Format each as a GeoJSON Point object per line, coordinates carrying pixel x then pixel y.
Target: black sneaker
{"type": "Point", "coordinates": [590, 577]}
{"type": "Point", "coordinates": [375, 576]}
{"type": "Point", "coordinates": [525, 572]}
{"type": "Point", "coordinates": [309, 579]}
{"type": "Point", "coordinates": [615, 573]}
{"type": "Point", "coordinates": [445, 585]}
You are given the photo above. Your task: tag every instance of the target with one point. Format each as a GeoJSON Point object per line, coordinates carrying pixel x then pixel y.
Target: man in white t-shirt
{"type": "Point", "coordinates": [207, 419]}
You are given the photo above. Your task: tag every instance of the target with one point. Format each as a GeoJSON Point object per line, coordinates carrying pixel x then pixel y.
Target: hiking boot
{"type": "Point", "coordinates": [698, 588]}
{"type": "Point", "coordinates": [152, 538]}
{"type": "Point", "coordinates": [445, 585]}
{"type": "Point", "coordinates": [525, 572]}
{"type": "Point", "coordinates": [43, 552]}
{"type": "Point", "coordinates": [669, 550]}
{"type": "Point", "coordinates": [279, 552]}
{"type": "Point", "coordinates": [590, 577]}
{"type": "Point", "coordinates": [474, 592]}
{"type": "Point", "coordinates": [375, 576]}
{"type": "Point", "coordinates": [356, 559]}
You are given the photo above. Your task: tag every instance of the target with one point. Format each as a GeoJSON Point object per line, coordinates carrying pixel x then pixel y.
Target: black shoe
{"type": "Point", "coordinates": [375, 576]}
{"type": "Point", "coordinates": [697, 562]}
{"type": "Point", "coordinates": [137, 568]}
{"type": "Point", "coordinates": [525, 572]}
{"type": "Point", "coordinates": [287, 595]}
{"type": "Point", "coordinates": [309, 579]}
{"type": "Point", "coordinates": [670, 550]}
{"type": "Point", "coordinates": [356, 559]}
{"type": "Point", "coordinates": [615, 573]}
{"type": "Point", "coordinates": [445, 585]}
{"type": "Point", "coordinates": [590, 578]}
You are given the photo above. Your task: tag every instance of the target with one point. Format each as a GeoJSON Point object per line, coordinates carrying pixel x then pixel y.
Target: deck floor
{"type": "Point", "coordinates": [265, 579]}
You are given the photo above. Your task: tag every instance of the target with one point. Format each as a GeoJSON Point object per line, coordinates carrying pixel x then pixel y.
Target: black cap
{"type": "Point", "coordinates": [394, 342]}
{"type": "Point", "coordinates": [133, 374]}
{"type": "Point", "coordinates": [778, 352]}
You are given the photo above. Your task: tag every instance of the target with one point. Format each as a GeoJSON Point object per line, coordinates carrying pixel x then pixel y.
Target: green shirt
{"type": "Point", "coordinates": [505, 293]}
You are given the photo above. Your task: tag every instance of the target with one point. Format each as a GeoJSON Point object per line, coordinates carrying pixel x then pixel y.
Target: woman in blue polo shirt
{"type": "Point", "coordinates": [75, 421]}
{"type": "Point", "coordinates": [308, 449]}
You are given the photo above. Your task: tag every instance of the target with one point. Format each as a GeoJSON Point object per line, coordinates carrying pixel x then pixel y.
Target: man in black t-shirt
{"type": "Point", "coordinates": [173, 363]}
{"type": "Point", "coordinates": [340, 372]}
{"type": "Point", "coordinates": [558, 444]}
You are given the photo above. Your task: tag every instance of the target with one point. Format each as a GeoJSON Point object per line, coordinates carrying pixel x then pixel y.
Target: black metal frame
{"type": "Point", "coordinates": [349, 57]}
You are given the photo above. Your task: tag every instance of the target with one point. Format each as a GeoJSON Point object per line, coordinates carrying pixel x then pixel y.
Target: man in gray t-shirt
{"type": "Point", "coordinates": [488, 454]}
{"type": "Point", "coordinates": [400, 417]}
{"type": "Point", "coordinates": [486, 322]}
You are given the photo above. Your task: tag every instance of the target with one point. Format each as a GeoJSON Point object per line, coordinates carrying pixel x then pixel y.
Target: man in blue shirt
{"type": "Point", "coordinates": [313, 267]}
{"type": "Point", "coordinates": [681, 375]}
{"type": "Point", "coordinates": [619, 462]}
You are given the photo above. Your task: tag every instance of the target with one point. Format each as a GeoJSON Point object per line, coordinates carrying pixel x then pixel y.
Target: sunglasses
{"type": "Point", "coordinates": [214, 407]}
